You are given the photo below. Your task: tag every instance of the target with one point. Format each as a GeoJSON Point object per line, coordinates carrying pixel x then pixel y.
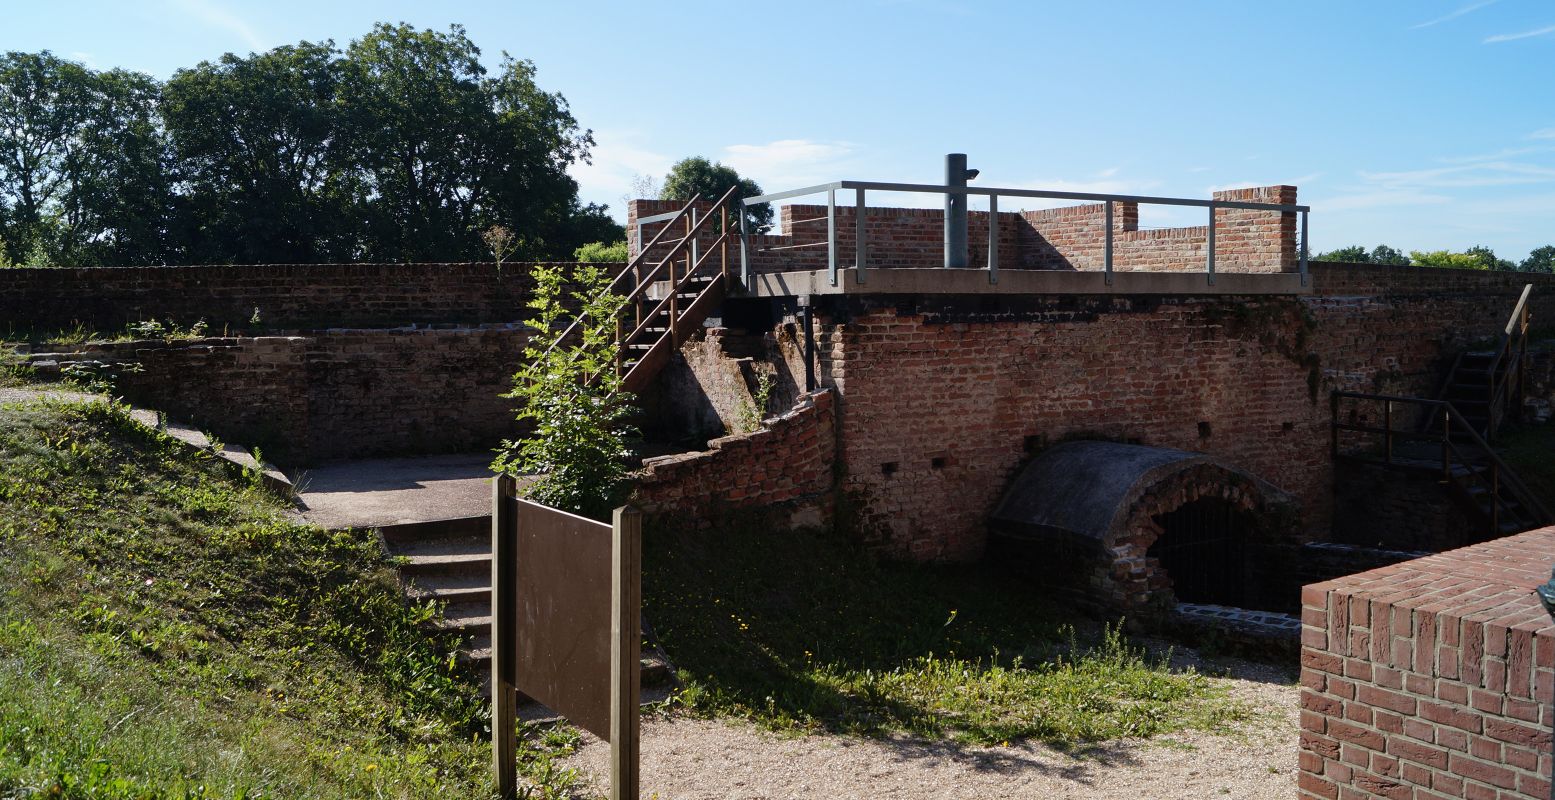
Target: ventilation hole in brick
{"type": "Point", "coordinates": [938, 462]}
{"type": "Point", "coordinates": [1203, 430]}
{"type": "Point", "coordinates": [888, 468]}
{"type": "Point", "coordinates": [1034, 443]}
{"type": "Point", "coordinates": [1287, 426]}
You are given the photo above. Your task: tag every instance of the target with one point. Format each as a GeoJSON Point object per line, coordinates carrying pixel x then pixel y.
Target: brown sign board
{"type": "Point", "coordinates": [566, 627]}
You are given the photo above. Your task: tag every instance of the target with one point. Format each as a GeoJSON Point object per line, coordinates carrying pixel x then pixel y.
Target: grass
{"type": "Point", "coordinates": [166, 631]}
{"type": "Point", "coordinates": [80, 333]}
{"type": "Point", "coordinates": [800, 632]}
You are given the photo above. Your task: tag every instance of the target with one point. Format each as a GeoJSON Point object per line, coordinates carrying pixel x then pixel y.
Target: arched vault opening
{"type": "Point", "coordinates": [1135, 528]}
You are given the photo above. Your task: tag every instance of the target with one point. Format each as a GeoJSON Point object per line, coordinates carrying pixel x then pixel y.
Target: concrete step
{"type": "Point", "coordinates": [411, 533]}
{"type": "Point", "coordinates": [469, 587]}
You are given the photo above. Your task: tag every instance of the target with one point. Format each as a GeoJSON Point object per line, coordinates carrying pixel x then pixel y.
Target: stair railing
{"type": "Point", "coordinates": [1506, 373]}
{"type": "Point", "coordinates": [1462, 465]}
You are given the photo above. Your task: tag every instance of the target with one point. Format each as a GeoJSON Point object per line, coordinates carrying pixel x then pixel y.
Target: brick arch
{"type": "Point", "coordinates": [1137, 579]}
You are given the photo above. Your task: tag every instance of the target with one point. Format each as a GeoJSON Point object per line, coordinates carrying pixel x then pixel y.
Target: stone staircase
{"type": "Point", "coordinates": [449, 562]}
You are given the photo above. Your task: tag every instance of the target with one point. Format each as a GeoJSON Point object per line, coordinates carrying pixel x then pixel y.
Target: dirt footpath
{"type": "Point", "coordinates": [688, 759]}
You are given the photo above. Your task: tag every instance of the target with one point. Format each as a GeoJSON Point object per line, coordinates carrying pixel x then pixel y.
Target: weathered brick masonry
{"type": "Point", "coordinates": [783, 472]}
{"type": "Point", "coordinates": [1431, 678]}
{"type": "Point", "coordinates": [339, 393]}
{"type": "Point", "coordinates": [287, 296]}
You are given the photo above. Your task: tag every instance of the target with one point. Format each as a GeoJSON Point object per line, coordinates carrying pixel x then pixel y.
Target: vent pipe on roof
{"type": "Point", "coordinates": [956, 174]}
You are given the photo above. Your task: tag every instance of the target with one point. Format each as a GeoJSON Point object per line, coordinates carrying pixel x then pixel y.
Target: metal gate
{"type": "Point", "coordinates": [1203, 549]}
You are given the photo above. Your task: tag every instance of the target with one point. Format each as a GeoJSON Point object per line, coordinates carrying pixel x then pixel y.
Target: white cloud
{"type": "Point", "coordinates": [617, 158]}
{"type": "Point", "coordinates": [1544, 133]}
{"type": "Point", "coordinates": [1512, 37]}
{"type": "Point", "coordinates": [1488, 173]}
{"type": "Point", "coordinates": [788, 163]}
{"type": "Point", "coordinates": [216, 15]}
{"type": "Point", "coordinates": [1454, 15]}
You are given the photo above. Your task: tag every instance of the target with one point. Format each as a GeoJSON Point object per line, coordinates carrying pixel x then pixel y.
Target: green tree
{"type": "Point", "coordinates": [571, 398]}
{"type": "Point", "coordinates": [696, 176]}
{"type": "Point", "coordinates": [266, 156]}
{"type": "Point", "coordinates": [449, 151]}
{"type": "Point", "coordinates": [1353, 254]}
{"type": "Point", "coordinates": [1446, 259]}
{"type": "Point", "coordinates": [1488, 258]}
{"type": "Point", "coordinates": [1542, 259]}
{"type": "Point", "coordinates": [597, 252]}
{"type": "Point", "coordinates": [45, 105]}
{"type": "Point", "coordinates": [1383, 254]}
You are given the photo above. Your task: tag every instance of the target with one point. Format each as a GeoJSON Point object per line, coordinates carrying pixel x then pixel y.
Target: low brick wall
{"type": "Point", "coordinates": [1431, 678]}
{"type": "Point", "coordinates": [783, 470]}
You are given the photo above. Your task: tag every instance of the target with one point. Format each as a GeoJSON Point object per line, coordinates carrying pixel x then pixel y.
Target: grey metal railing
{"type": "Point", "coordinates": [860, 188]}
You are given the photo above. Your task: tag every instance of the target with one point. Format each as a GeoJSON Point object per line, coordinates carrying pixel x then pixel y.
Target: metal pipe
{"type": "Point", "coordinates": [807, 319]}
{"type": "Point", "coordinates": [955, 212]}
{"type": "Point", "coordinates": [1304, 248]}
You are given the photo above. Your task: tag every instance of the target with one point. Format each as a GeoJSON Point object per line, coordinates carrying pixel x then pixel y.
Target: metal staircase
{"type": "Point", "coordinates": [1451, 435]}
{"type": "Point", "coordinates": [669, 289]}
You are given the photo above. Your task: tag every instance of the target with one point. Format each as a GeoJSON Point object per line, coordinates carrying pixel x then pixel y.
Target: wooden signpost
{"type": "Point", "coordinates": [566, 598]}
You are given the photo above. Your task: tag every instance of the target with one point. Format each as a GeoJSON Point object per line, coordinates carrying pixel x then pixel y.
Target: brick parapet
{"type": "Point", "coordinates": [1432, 677]}
{"type": "Point", "coordinates": [786, 467]}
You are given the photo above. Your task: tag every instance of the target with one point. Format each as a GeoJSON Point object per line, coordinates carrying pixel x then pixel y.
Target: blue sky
{"type": "Point", "coordinates": [1425, 125]}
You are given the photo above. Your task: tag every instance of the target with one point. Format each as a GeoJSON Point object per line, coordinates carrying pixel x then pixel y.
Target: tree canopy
{"type": "Point", "coordinates": [1381, 254]}
{"type": "Point", "coordinates": [1542, 259]}
{"type": "Point", "coordinates": [696, 176]}
{"type": "Point", "coordinates": [400, 147]}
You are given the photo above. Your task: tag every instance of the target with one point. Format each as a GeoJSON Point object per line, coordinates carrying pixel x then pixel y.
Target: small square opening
{"type": "Point", "coordinates": [888, 468]}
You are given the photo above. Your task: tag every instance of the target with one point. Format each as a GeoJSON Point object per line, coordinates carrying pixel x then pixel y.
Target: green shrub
{"type": "Point", "coordinates": [601, 252]}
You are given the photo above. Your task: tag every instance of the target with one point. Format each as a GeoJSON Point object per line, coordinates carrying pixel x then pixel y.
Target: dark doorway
{"type": "Point", "coordinates": [1203, 549]}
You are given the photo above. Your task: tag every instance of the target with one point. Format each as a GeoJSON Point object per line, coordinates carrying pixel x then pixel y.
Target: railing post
{"type": "Point", "coordinates": [674, 302]}
{"type": "Point", "coordinates": [993, 238]}
{"type": "Point", "coordinates": [723, 243]}
{"type": "Point", "coordinates": [1106, 249]}
{"type": "Point", "coordinates": [1333, 424]}
{"type": "Point", "coordinates": [831, 235]}
{"type": "Point", "coordinates": [860, 251]}
{"type": "Point", "coordinates": [625, 652]}
{"type": "Point", "coordinates": [1209, 254]}
{"type": "Point", "coordinates": [1447, 444]}
{"type": "Point", "coordinates": [1304, 249]}
{"type": "Point", "coordinates": [620, 347]}
{"type": "Point", "coordinates": [745, 258]}
{"type": "Point", "coordinates": [691, 221]}
{"type": "Point", "coordinates": [1387, 436]}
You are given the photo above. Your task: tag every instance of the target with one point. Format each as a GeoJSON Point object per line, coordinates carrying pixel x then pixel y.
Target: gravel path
{"type": "Point", "coordinates": [685, 759]}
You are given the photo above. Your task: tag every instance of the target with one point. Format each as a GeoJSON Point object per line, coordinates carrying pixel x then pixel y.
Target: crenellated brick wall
{"type": "Point", "coordinates": [1431, 678]}
{"type": "Point", "coordinates": [1067, 238]}
{"type": "Point", "coordinates": [783, 471]}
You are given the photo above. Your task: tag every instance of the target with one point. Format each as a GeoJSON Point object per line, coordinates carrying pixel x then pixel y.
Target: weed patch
{"type": "Point", "coordinates": [799, 631]}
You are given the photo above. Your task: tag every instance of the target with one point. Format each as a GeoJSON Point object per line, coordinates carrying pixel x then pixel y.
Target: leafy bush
{"type": "Point", "coordinates": [601, 252]}
{"type": "Point", "coordinates": [571, 398]}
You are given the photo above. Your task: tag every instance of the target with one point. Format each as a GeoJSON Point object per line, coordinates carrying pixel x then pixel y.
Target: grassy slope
{"type": "Point", "coordinates": [165, 631]}
{"type": "Point", "coordinates": [801, 632]}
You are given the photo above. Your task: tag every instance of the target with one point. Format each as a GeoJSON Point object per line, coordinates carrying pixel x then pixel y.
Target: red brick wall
{"type": "Point", "coordinates": [1431, 678]}
{"type": "Point", "coordinates": [938, 409]}
{"type": "Point", "coordinates": [784, 469]}
{"type": "Point", "coordinates": [288, 296]}
{"type": "Point", "coordinates": [1069, 238]}
{"type": "Point", "coordinates": [335, 394]}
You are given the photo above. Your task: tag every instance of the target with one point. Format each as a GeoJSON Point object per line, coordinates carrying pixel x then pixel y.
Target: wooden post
{"type": "Point", "coordinates": [504, 629]}
{"type": "Point", "coordinates": [625, 652]}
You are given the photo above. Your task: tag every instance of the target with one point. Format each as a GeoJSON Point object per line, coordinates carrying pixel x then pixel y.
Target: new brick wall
{"type": "Point", "coordinates": [1068, 238]}
{"type": "Point", "coordinates": [288, 296]}
{"type": "Point", "coordinates": [783, 471]}
{"type": "Point", "coordinates": [1431, 678]}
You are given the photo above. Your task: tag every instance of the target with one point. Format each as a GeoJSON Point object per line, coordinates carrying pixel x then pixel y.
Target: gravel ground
{"type": "Point", "coordinates": [684, 759]}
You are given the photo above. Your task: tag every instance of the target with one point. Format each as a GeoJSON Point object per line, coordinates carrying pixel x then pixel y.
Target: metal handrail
{"type": "Point", "coordinates": [993, 195]}
{"type": "Point", "coordinates": [1501, 473]}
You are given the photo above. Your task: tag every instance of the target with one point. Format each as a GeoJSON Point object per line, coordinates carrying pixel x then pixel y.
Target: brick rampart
{"type": "Point", "coordinates": [1431, 678]}
{"type": "Point", "coordinates": [339, 393]}
{"type": "Point", "coordinates": [287, 296]}
{"type": "Point", "coordinates": [783, 471]}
